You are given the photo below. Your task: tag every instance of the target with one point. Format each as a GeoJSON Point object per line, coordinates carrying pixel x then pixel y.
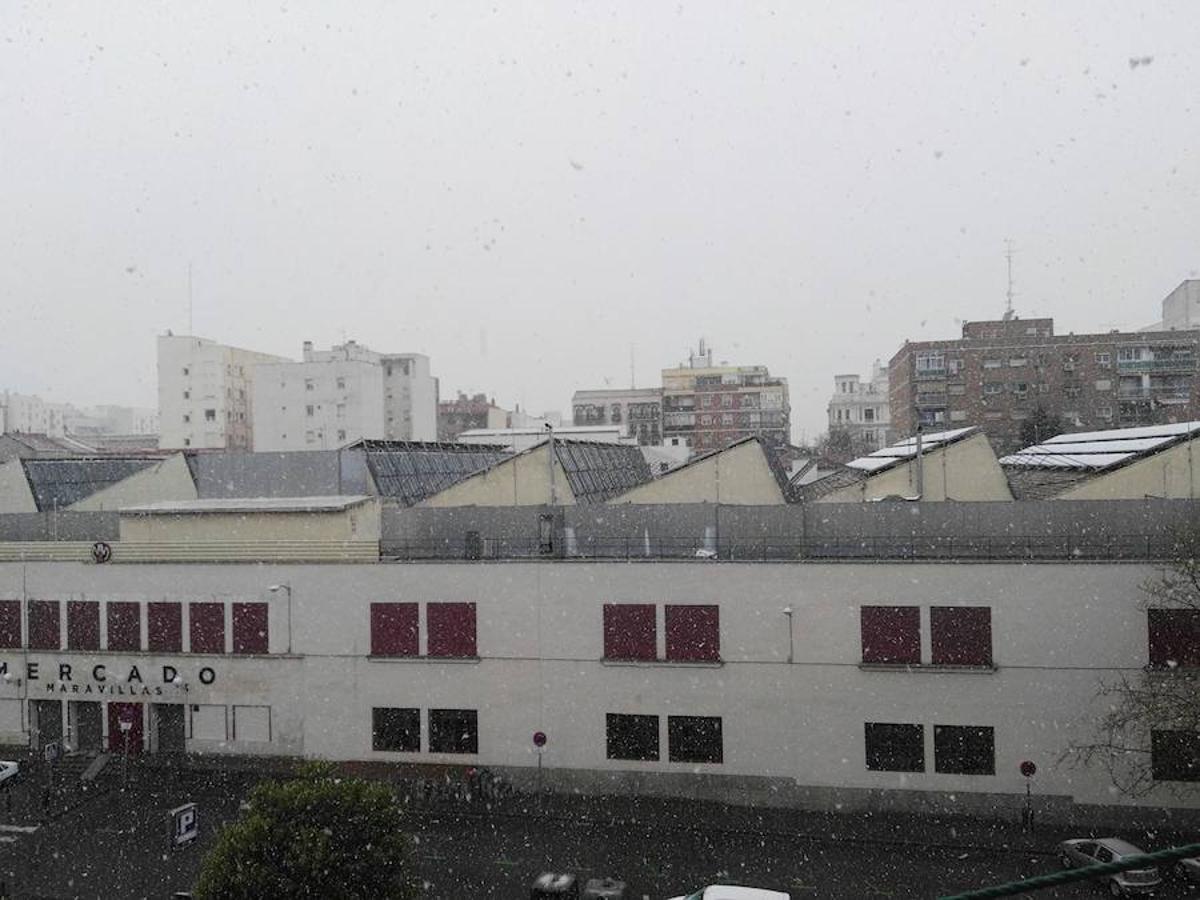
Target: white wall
{"type": "Point", "coordinates": [318, 405]}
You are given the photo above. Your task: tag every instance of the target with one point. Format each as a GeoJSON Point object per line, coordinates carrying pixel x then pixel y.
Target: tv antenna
{"type": "Point", "coordinates": [1008, 256]}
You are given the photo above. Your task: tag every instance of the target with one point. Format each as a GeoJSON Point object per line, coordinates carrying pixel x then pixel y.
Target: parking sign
{"type": "Point", "coordinates": [185, 824]}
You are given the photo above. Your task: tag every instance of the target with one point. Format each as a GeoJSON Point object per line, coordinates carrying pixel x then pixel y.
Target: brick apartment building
{"type": "Point", "coordinates": [999, 372]}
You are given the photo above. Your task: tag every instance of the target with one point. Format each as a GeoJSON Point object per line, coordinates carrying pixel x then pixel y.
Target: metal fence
{"type": "Point", "coordinates": [1132, 547]}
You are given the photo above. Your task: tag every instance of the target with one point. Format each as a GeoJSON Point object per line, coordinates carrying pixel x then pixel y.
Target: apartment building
{"type": "Point", "coordinates": [205, 393]}
{"type": "Point", "coordinates": [638, 411]}
{"type": "Point", "coordinates": [468, 414]}
{"type": "Point", "coordinates": [861, 407]}
{"type": "Point", "coordinates": [347, 393]}
{"type": "Point", "coordinates": [999, 372]}
{"type": "Point", "coordinates": [30, 414]}
{"type": "Point", "coordinates": [708, 406]}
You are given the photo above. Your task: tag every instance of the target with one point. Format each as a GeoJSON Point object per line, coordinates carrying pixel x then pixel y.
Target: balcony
{"type": "Point", "coordinates": [931, 401]}
{"type": "Point", "coordinates": [1161, 364]}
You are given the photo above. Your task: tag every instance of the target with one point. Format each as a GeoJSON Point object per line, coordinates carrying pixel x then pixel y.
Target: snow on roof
{"type": "Point", "coordinates": [1095, 451]}
{"type": "Point", "coordinates": [247, 505]}
{"type": "Point", "coordinates": [907, 449]}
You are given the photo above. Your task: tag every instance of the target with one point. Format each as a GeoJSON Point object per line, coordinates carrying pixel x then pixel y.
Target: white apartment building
{"type": "Point", "coordinates": [341, 395]}
{"type": "Point", "coordinates": [30, 414]}
{"type": "Point", "coordinates": [205, 393]}
{"type": "Point", "coordinates": [862, 407]}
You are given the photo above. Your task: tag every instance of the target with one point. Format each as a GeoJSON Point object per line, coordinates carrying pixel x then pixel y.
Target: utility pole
{"type": "Point", "coordinates": [1008, 256]}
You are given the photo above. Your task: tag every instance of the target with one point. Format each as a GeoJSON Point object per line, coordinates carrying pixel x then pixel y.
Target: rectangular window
{"type": "Point", "coordinates": [632, 737]}
{"type": "Point", "coordinates": [250, 628]}
{"type": "Point", "coordinates": [992, 363]}
{"type": "Point", "coordinates": [394, 629]}
{"type": "Point", "coordinates": [1104, 360]}
{"type": "Point", "coordinates": [891, 634]}
{"type": "Point", "coordinates": [693, 633]}
{"type": "Point", "coordinates": [83, 625]}
{"type": "Point", "coordinates": [453, 731]}
{"type": "Point", "coordinates": [1103, 384]}
{"type": "Point", "coordinates": [10, 624]}
{"type": "Point", "coordinates": [895, 748]}
{"type": "Point", "coordinates": [210, 415]}
{"type": "Point", "coordinates": [1175, 755]}
{"type": "Point", "coordinates": [341, 383]}
{"type": "Point", "coordinates": [309, 410]}
{"type": "Point", "coordinates": [695, 739]}
{"type": "Point", "coordinates": [164, 628]}
{"type": "Point", "coordinates": [1017, 362]}
{"type": "Point", "coordinates": [44, 630]}
{"type": "Point", "coordinates": [992, 387]}
{"type": "Point", "coordinates": [1174, 638]}
{"type": "Point", "coordinates": [451, 630]}
{"type": "Point", "coordinates": [206, 627]}
{"type": "Point", "coordinates": [961, 635]}
{"type": "Point", "coordinates": [396, 729]}
{"type": "Point", "coordinates": [629, 631]}
{"type": "Point", "coordinates": [964, 750]}
{"type": "Point", "coordinates": [124, 625]}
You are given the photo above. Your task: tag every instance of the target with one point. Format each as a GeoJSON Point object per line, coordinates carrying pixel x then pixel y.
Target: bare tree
{"type": "Point", "coordinates": [1144, 709]}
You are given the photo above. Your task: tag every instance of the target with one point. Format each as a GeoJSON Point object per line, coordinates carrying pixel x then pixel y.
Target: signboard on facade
{"type": "Point", "coordinates": [185, 825]}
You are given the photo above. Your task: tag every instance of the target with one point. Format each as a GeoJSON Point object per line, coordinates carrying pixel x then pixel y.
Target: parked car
{"type": "Point", "coordinates": [734, 892]}
{"type": "Point", "coordinates": [1088, 852]}
{"type": "Point", "coordinates": [1188, 869]}
{"type": "Point", "coordinates": [9, 771]}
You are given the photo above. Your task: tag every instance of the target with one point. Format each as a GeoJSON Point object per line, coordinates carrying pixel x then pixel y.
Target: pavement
{"type": "Point", "coordinates": [112, 843]}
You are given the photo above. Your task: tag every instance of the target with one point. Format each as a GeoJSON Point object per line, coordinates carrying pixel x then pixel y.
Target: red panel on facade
{"type": "Point", "coordinates": [44, 631]}
{"type": "Point", "coordinates": [961, 635]}
{"type": "Point", "coordinates": [394, 629]}
{"type": "Point", "coordinates": [1174, 637]}
{"type": "Point", "coordinates": [164, 628]}
{"type": "Point", "coordinates": [83, 625]}
{"type": "Point", "coordinates": [693, 632]}
{"type": "Point", "coordinates": [124, 626]}
{"type": "Point", "coordinates": [451, 629]}
{"type": "Point", "coordinates": [10, 624]}
{"type": "Point", "coordinates": [891, 634]}
{"type": "Point", "coordinates": [206, 627]}
{"type": "Point", "coordinates": [250, 628]}
{"type": "Point", "coordinates": [629, 631]}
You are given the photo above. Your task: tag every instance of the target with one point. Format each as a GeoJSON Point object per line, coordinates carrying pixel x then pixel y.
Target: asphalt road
{"type": "Point", "coordinates": [115, 846]}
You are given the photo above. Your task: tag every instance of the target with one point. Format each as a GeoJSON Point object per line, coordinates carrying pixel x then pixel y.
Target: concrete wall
{"type": "Point", "coordinates": [739, 476]}
{"type": "Point", "coordinates": [523, 480]}
{"type": "Point", "coordinates": [170, 479]}
{"type": "Point", "coordinates": [284, 394]}
{"type": "Point", "coordinates": [15, 495]}
{"type": "Point", "coordinates": [358, 523]}
{"type": "Point", "coordinates": [795, 728]}
{"type": "Point", "coordinates": [1171, 474]}
{"type": "Point", "coordinates": [319, 473]}
{"type": "Point", "coordinates": [60, 526]}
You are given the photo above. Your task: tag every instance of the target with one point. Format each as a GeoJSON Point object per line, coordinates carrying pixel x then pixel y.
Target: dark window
{"type": "Point", "coordinates": [207, 627]}
{"type": "Point", "coordinates": [1174, 637]}
{"type": "Point", "coordinates": [44, 631]}
{"type": "Point", "coordinates": [693, 632]}
{"type": "Point", "coordinates": [250, 628]}
{"type": "Point", "coordinates": [397, 730]}
{"type": "Point", "coordinates": [453, 731]}
{"type": "Point", "coordinates": [10, 624]}
{"type": "Point", "coordinates": [891, 634]}
{"type": "Point", "coordinates": [451, 629]}
{"type": "Point", "coordinates": [964, 750]}
{"type": "Point", "coordinates": [895, 748]}
{"type": "Point", "coordinates": [629, 631]}
{"type": "Point", "coordinates": [164, 627]}
{"type": "Point", "coordinates": [1175, 755]}
{"type": "Point", "coordinates": [83, 625]}
{"type": "Point", "coordinates": [394, 629]}
{"type": "Point", "coordinates": [124, 625]}
{"type": "Point", "coordinates": [695, 739]}
{"type": "Point", "coordinates": [961, 635]}
{"type": "Point", "coordinates": [632, 737]}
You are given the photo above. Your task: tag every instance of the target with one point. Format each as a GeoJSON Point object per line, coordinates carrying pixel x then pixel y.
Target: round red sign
{"type": "Point", "coordinates": [1028, 769]}
{"type": "Point", "coordinates": [539, 739]}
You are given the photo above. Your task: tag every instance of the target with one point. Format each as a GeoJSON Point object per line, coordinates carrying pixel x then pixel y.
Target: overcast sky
{"type": "Point", "coordinates": [525, 191]}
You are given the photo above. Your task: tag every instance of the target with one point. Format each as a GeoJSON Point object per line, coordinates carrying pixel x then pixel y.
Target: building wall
{"type": "Point", "coordinates": [713, 406]}
{"type": "Point", "coordinates": [638, 411]}
{"type": "Point", "coordinates": [358, 523]}
{"type": "Point", "coordinates": [739, 476]}
{"type": "Point", "coordinates": [1171, 475]}
{"type": "Point", "coordinates": [966, 470]}
{"type": "Point", "coordinates": [793, 731]}
{"type": "Point", "coordinates": [861, 407]}
{"type": "Point", "coordinates": [170, 479]}
{"type": "Point", "coordinates": [523, 480]}
{"type": "Point", "coordinates": [1181, 307]}
{"type": "Point", "coordinates": [410, 398]}
{"type": "Point", "coordinates": [15, 495]}
{"type": "Point", "coordinates": [317, 405]}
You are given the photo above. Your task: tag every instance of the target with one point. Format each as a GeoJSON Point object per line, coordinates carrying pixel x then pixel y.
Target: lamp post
{"type": "Point", "coordinates": [787, 611]}
{"type": "Point", "coordinates": [275, 589]}
{"type": "Point", "coordinates": [126, 726]}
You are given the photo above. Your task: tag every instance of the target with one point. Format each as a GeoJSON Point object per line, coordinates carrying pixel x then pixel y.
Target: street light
{"type": "Point", "coordinates": [275, 589]}
{"type": "Point", "coordinates": [787, 611]}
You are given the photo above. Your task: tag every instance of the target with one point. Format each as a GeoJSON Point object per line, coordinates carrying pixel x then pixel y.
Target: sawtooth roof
{"type": "Point", "coordinates": [411, 471]}
{"type": "Point", "coordinates": [59, 483]}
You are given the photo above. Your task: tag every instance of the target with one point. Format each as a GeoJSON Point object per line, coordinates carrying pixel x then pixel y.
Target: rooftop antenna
{"type": "Point", "coordinates": [190, 329]}
{"type": "Point", "coordinates": [1008, 255]}
{"type": "Point", "coordinates": [632, 371]}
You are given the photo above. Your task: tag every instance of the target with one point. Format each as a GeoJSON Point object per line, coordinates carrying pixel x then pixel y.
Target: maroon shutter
{"type": "Point", "coordinates": [10, 624]}
{"type": "Point", "coordinates": [693, 633]}
{"type": "Point", "coordinates": [83, 625]}
{"type": "Point", "coordinates": [164, 628]}
{"type": "Point", "coordinates": [1174, 637]}
{"type": "Point", "coordinates": [630, 631]}
{"type": "Point", "coordinates": [394, 629]}
{"type": "Point", "coordinates": [44, 631]}
{"type": "Point", "coordinates": [891, 634]}
{"type": "Point", "coordinates": [961, 635]}
{"type": "Point", "coordinates": [207, 627]}
{"type": "Point", "coordinates": [250, 628]}
{"type": "Point", "coordinates": [451, 629]}
{"type": "Point", "coordinates": [124, 626]}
